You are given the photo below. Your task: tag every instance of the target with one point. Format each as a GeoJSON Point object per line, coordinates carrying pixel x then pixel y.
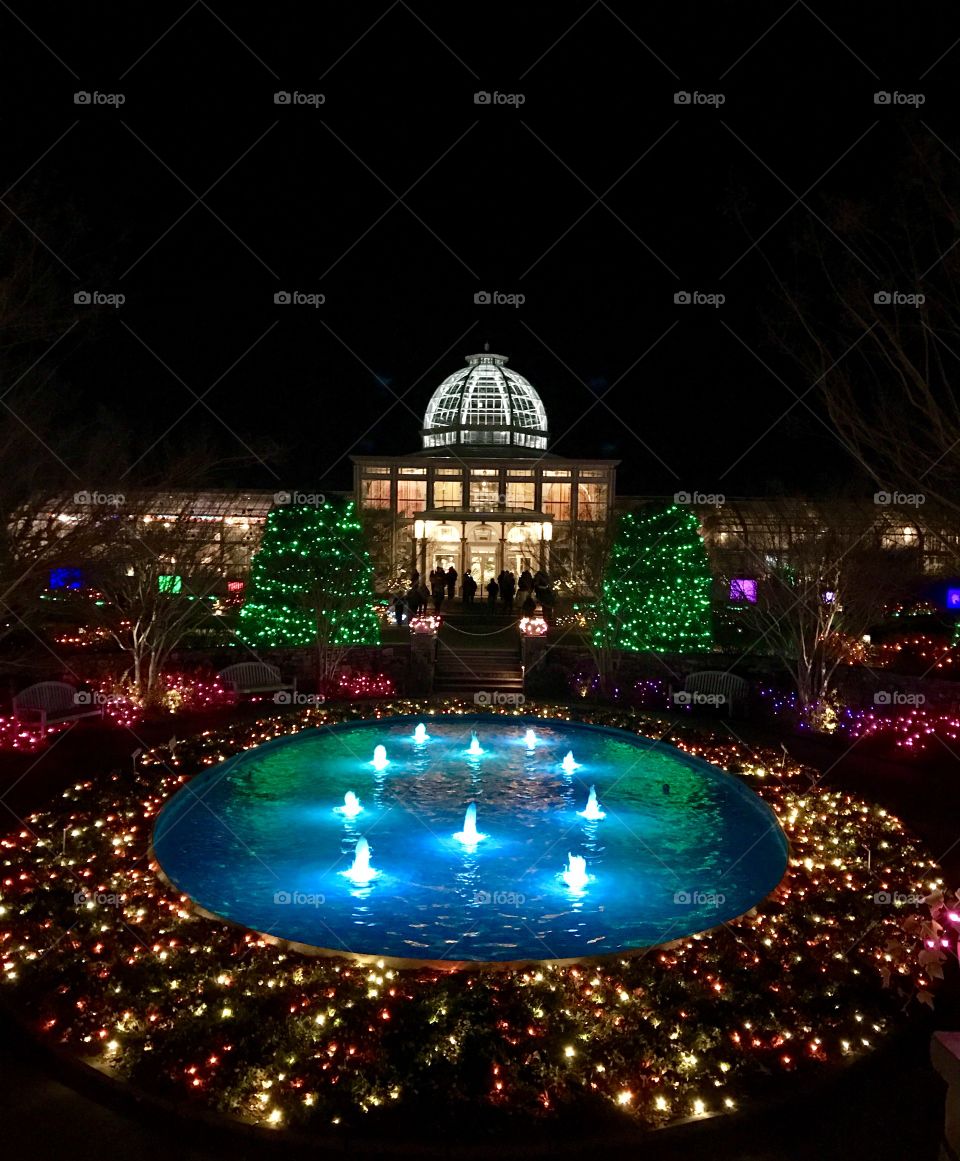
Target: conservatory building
{"type": "Point", "coordinates": [483, 493]}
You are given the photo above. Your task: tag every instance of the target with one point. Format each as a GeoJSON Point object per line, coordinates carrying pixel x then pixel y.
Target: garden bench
{"type": "Point", "coordinates": [54, 702]}
{"type": "Point", "coordinates": [715, 684]}
{"type": "Point", "coordinates": [254, 677]}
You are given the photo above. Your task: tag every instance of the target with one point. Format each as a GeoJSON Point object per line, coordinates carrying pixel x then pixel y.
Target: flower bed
{"type": "Point", "coordinates": [101, 957]}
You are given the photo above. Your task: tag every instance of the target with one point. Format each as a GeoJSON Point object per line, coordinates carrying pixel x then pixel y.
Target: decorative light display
{"type": "Point", "coordinates": [106, 960]}
{"type": "Point", "coordinates": [920, 651]}
{"type": "Point", "coordinates": [351, 685]}
{"type": "Point", "coordinates": [311, 577]}
{"type": "Point", "coordinates": [953, 598]}
{"type": "Point", "coordinates": [170, 584]}
{"type": "Point", "coordinates": [66, 578]}
{"type": "Point", "coordinates": [911, 730]}
{"type": "Point", "coordinates": [533, 626]}
{"type": "Point", "coordinates": [426, 624]}
{"type": "Point", "coordinates": [656, 592]}
{"type": "Point", "coordinates": [743, 589]}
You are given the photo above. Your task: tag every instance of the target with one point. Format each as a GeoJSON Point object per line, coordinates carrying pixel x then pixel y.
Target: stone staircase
{"type": "Point", "coordinates": [478, 656]}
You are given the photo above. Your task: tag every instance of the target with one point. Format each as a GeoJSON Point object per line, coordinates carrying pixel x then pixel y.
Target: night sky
{"type": "Point", "coordinates": [493, 197]}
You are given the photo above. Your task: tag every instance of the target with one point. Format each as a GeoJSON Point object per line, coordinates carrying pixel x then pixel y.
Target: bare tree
{"type": "Point", "coordinates": [158, 563]}
{"type": "Point", "coordinates": [810, 612]}
{"type": "Point", "coordinates": [873, 321]}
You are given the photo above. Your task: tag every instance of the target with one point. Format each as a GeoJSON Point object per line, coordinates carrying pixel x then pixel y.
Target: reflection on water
{"type": "Point", "coordinates": [658, 865]}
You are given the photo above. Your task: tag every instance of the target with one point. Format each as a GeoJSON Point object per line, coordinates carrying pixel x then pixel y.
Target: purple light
{"type": "Point", "coordinates": [743, 589]}
{"type": "Point", "coordinates": [953, 598]}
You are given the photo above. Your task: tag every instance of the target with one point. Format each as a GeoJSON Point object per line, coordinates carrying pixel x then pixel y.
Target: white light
{"type": "Point", "coordinates": [575, 875]}
{"type": "Point", "coordinates": [592, 811]}
{"type": "Point", "coordinates": [351, 806]}
{"type": "Point", "coordinates": [418, 529]}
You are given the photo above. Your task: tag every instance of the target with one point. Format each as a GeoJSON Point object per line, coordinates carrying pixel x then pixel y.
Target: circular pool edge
{"type": "Point", "coordinates": [453, 965]}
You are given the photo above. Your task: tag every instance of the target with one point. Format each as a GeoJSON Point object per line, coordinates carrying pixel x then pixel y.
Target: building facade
{"type": "Point", "coordinates": [483, 493]}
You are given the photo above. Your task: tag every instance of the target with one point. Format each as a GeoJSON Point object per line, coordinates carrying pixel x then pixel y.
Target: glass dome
{"type": "Point", "coordinates": [485, 405]}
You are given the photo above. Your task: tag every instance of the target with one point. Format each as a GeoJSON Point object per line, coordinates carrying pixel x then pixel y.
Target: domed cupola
{"type": "Point", "coordinates": [485, 406]}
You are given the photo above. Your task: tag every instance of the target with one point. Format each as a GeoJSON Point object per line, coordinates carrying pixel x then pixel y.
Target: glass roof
{"type": "Point", "coordinates": [484, 404]}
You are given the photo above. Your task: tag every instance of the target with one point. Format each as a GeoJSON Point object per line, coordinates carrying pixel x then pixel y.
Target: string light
{"type": "Point", "coordinates": [311, 568]}
{"type": "Point", "coordinates": [234, 1020]}
{"type": "Point", "coordinates": [656, 593]}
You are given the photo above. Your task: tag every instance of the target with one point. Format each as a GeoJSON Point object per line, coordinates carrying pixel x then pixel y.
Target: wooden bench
{"type": "Point", "coordinates": [249, 677]}
{"type": "Point", "coordinates": [53, 702]}
{"type": "Point", "coordinates": [713, 687]}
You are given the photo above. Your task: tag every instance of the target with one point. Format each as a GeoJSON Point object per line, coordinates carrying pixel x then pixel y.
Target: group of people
{"type": "Point", "coordinates": [530, 588]}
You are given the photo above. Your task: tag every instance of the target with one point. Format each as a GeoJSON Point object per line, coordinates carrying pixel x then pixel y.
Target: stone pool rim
{"type": "Point", "coordinates": [407, 963]}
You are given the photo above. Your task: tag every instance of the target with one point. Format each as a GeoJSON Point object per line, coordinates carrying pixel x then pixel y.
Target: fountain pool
{"type": "Point", "coordinates": [268, 849]}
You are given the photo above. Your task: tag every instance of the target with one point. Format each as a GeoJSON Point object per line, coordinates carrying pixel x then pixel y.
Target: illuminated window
{"type": "Point", "coordinates": [447, 493]}
{"type": "Point", "coordinates": [484, 494]}
{"type": "Point", "coordinates": [411, 471]}
{"type": "Point", "coordinates": [484, 472]}
{"type": "Point", "coordinates": [519, 495]}
{"type": "Point", "coordinates": [411, 496]}
{"type": "Point", "coordinates": [236, 586]}
{"type": "Point", "coordinates": [591, 501]}
{"type": "Point", "coordinates": [586, 474]}
{"type": "Point", "coordinates": [375, 493]}
{"type": "Point", "coordinates": [449, 472]}
{"type": "Point", "coordinates": [368, 471]}
{"type": "Point", "coordinates": [743, 589]}
{"type": "Point", "coordinates": [553, 474]}
{"type": "Point", "coordinates": [556, 500]}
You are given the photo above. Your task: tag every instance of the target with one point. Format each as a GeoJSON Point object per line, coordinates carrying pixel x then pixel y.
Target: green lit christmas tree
{"type": "Point", "coordinates": [656, 588]}
{"type": "Point", "coordinates": [312, 585]}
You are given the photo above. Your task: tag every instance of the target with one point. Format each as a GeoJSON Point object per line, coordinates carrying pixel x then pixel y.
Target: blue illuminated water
{"type": "Point", "coordinates": [258, 840]}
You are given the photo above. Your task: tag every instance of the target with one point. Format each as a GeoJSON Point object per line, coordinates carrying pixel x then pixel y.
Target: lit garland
{"type": "Point", "coordinates": [911, 730]}
{"type": "Point", "coordinates": [350, 685]}
{"type": "Point", "coordinates": [131, 977]}
{"type": "Point", "coordinates": [311, 566]}
{"type": "Point", "coordinates": [656, 592]}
